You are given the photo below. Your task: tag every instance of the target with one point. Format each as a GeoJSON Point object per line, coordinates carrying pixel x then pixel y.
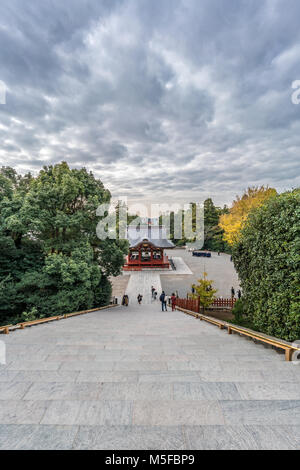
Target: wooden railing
{"type": "Point", "coordinates": [189, 304]}
{"type": "Point", "coordinates": [194, 304]}
{"type": "Point", "coordinates": [288, 348]}
{"type": "Point", "coordinates": [6, 329]}
{"type": "Point", "coordinates": [227, 303]}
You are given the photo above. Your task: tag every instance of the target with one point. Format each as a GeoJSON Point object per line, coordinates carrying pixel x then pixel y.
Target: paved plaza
{"type": "Point", "coordinates": [188, 270]}
{"type": "Point", "coordinates": [137, 378]}
{"type": "Point", "coordinates": [218, 268]}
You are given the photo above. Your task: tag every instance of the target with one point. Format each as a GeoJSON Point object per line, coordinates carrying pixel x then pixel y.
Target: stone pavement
{"type": "Point", "coordinates": [188, 270]}
{"type": "Point", "coordinates": [140, 283]}
{"type": "Point", "coordinates": [137, 378]}
{"type": "Point", "coordinates": [219, 268]}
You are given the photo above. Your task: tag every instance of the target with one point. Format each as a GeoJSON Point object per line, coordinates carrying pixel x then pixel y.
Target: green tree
{"type": "Point", "coordinates": [213, 233]}
{"type": "Point", "coordinates": [211, 214]}
{"type": "Point", "coordinates": [51, 260]}
{"type": "Point", "coordinates": [204, 292]}
{"type": "Point", "coordinates": [267, 259]}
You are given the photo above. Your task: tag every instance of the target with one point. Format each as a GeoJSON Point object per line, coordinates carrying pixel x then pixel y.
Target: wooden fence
{"type": "Point", "coordinates": [226, 303]}
{"type": "Point", "coordinates": [194, 304]}
{"type": "Point", "coordinates": [189, 304]}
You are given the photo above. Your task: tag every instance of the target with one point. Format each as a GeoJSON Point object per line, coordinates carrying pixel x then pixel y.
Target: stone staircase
{"type": "Point", "coordinates": [140, 283]}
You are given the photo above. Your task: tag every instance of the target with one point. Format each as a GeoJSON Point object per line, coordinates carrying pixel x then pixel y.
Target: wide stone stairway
{"type": "Point", "coordinates": [138, 378]}
{"type": "Point", "coordinates": [141, 283]}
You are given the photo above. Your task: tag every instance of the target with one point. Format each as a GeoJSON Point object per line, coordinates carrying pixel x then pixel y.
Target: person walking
{"type": "Point", "coordinates": [126, 300]}
{"type": "Point", "coordinates": [155, 295]}
{"type": "Point", "coordinates": [163, 301]}
{"type": "Point", "coordinates": [167, 302]}
{"type": "Point", "coordinates": [152, 291]}
{"type": "Point", "coordinates": [173, 301]}
{"type": "Point", "coordinates": [232, 292]}
{"type": "Point", "coordinates": [239, 294]}
{"type": "Point", "coordinates": [139, 299]}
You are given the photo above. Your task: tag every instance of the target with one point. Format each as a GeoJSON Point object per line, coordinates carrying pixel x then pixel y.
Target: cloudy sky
{"type": "Point", "coordinates": [164, 100]}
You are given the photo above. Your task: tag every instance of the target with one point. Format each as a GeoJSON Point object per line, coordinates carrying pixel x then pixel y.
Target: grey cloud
{"type": "Point", "coordinates": [179, 98]}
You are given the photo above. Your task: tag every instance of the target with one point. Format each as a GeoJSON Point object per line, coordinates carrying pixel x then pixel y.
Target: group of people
{"type": "Point", "coordinates": [164, 299]}
{"type": "Point", "coordinates": [125, 300]}
{"type": "Point", "coordinates": [239, 293]}
{"type": "Point", "coordinates": [167, 300]}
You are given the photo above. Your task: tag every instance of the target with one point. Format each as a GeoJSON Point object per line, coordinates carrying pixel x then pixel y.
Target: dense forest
{"type": "Point", "coordinates": [51, 261]}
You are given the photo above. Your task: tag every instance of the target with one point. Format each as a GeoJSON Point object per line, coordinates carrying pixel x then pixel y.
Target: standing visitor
{"type": "Point", "coordinates": [126, 300]}
{"type": "Point", "coordinates": [163, 302]}
{"type": "Point", "coordinates": [152, 291]}
{"type": "Point", "coordinates": [167, 302]}
{"type": "Point", "coordinates": [232, 292]}
{"type": "Point", "coordinates": [155, 295]}
{"type": "Point", "coordinates": [173, 301]}
{"type": "Point", "coordinates": [139, 299]}
{"type": "Point", "coordinates": [239, 293]}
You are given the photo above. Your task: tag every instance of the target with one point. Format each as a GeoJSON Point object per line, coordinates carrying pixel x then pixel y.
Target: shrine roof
{"type": "Point", "coordinates": [156, 235]}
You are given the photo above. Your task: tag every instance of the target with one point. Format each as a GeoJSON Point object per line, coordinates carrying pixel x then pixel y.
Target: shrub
{"type": "Point", "coordinates": [239, 310]}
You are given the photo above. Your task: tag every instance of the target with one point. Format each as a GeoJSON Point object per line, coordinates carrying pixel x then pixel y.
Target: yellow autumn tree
{"type": "Point", "coordinates": [233, 222]}
{"type": "Point", "coordinates": [204, 292]}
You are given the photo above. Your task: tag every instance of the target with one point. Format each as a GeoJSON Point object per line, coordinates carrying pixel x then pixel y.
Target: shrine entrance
{"type": "Point", "coordinates": [146, 255]}
{"type": "Point", "coordinates": [146, 247]}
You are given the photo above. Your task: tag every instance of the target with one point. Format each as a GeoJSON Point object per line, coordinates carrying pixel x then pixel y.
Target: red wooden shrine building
{"type": "Point", "coordinates": [146, 247]}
